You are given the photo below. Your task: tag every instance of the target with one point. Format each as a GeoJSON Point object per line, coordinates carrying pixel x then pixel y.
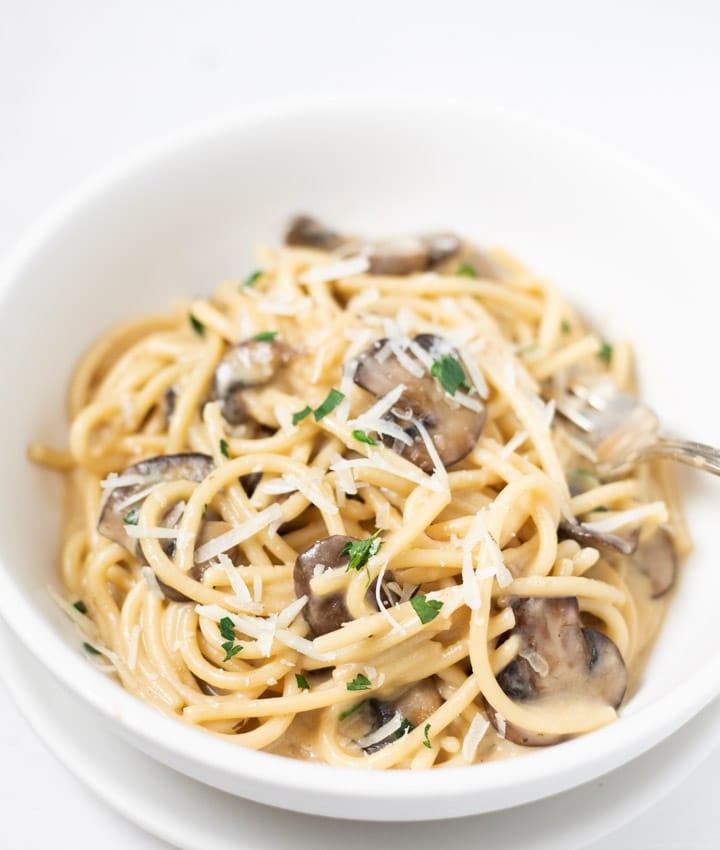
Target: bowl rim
{"type": "Point", "coordinates": [603, 749]}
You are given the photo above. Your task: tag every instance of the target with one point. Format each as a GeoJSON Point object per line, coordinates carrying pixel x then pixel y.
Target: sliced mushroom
{"type": "Point", "coordinates": [657, 559]}
{"type": "Point", "coordinates": [208, 531]}
{"type": "Point", "coordinates": [589, 537]}
{"type": "Point", "coordinates": [411, 708]}
{"type": "Point", "coordinates": [306, 231]}
{"type": "Point", "coordinates": [557, 657]}
{"type": "Point", "coordinates": [442, 247]}
{"type": "Point", "coordinates": [326, 613]}
{"type": "Point", "coordinates": [190, 466]}
{"type": "Point", "coordinates": [399, 256]}
{"type": "Point", "coordinates": [252, 363]}
{"type": "Point", "coordinates": [453, 428]}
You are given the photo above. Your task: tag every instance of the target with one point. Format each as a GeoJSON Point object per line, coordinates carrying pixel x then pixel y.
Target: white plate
{"type": "Point", "coordinates": [192, 815]}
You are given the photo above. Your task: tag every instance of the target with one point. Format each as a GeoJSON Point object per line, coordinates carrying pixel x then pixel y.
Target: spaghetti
{"type": "Point", "coordinates": [331, 511]}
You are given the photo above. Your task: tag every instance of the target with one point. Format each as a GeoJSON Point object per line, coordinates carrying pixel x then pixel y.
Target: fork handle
{"type": "Point", "coordinates": [697, 455]}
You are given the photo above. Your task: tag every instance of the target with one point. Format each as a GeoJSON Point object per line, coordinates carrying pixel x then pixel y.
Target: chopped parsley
{"type": "Point", "coordinates": [405, 728]}
{"type": "Point", "coordinates": [89, 648]}
{"type": "Point", "coordinates": [205, 510]}
{"type": "Point", "coordinates": [466, 270]}
{"type": "Point", "coordinates": [227, 628]}
{"type": "Point", "coordinates": [131, 517]}
{"type": "Point", "coordinates": [349, 711]}
{"type": "Point", "coordinates": [301, 414]}
{"type": "Point", "coordinates": [334, 397]}
{"type": "Point", "coordinates": [426, 609]}
{"type": "Point", "coordinates": [359, 683]}
{"type": "Point", "coordinates": [265, 336]}
{"type": "Point", "coordinates": [227, 631]}
{"type": "Point", "coordinates": [606, 352]}
{"type": "Point", "coordinates": [302, 682]}
{"type": "Point", "coordinates": [601, 509]}
{"type": "Point", "coordinates": [450, 373]}
{"type": "Point", "coordinates": [426, 731]}
{"type": "Point", "coordinates": [364, 437]}
{"type": "Point", "coordinates": [361, 551]}
{"type": "Point", "coordinates": [252, 278]}
{"type": "Point", "coordinates": [565, 327]}
{"type": "Point", "coordinates": [224, 448]}
{"type": "Point", "coordinates": [197, 325]}
{"type": "Point", "coordinates": [80, 606]}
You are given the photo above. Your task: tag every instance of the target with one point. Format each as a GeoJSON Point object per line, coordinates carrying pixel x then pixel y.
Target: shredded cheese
{"type": "Point", "coordinates": [236, 535]}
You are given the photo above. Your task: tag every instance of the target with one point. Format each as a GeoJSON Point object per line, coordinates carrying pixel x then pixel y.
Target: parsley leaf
{"type": "Point", "coordinates": [227, 629]}
{"type": "Point", "coordinates": [565, 326]}
{"type": "Point", "coordinates": [252, 278]}
{"type": "Point", "coordinates": [466, 270]}
{"type": "Point", "coordinates": [80, 606]}
{"type": "Point", "coordinates": [265, 336]}
{"type": "Point", "coordinates": [231, 649]}
{"type": "Point", "coordinates": [406, 728]}
{"type": "Point", "coordinates": [301, 414]}
{"type": "Point", "coordinates": [349, 711]}
{"type": "Point", "coordinates": [359, 683]}
{"type": "Point", "coordinates": [224, 448]}
{"type": "Point", "coordinates": [89, 648]}
{"type": "Point", "coordinates": [205, 510]}
{"type": "Point", "coordinates": [360, 551]}
{"type": "Point", "coordinates": [302, 682]}
{"type": "Point", "coordinates": [426, 609]}
{"type": "Point", "coordinates": [426, 742]}
{"type": "Point", "coordinates": [606, 352]}
{"type": "Point", "coordinates": [197, 325]}
{"type": "Point", "coordinates": [364, 437]}
{"type": "Point", "coordinates": [334, 397]}
{"type": "Point", "coordinates": [450, 373]}
{"type": "Point", "coordinates": [131, 517]}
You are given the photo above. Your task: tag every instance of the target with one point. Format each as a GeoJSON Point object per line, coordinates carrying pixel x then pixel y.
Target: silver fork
{"type": "Point", "coordinates": [623, 432]}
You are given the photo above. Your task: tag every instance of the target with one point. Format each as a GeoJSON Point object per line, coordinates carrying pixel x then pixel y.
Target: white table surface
{"type": "Point", "coordinates": [83, 83]}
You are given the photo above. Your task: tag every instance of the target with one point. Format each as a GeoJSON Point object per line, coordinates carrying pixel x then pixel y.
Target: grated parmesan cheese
{"type": "Point", "coordinates": [335, 271]}
{"type": "Point", "coordinates": [385, 731]}
{"type": "Point", "coordinates": [152, 582]}
{"type": "Point", "coordinates": [633, 516]}
{"type": "Point", "coordinates": [477, 729]}
{"type": "Point", "coordinates": [440, 473]}
{"type": "Point", "coordinates": [513, 443]}
{"type": "Point", "coordinates": [155, 531]}
{"type": "Point", "coordinates": [236, 535]}
{"type": "Point", "coordinates": [288, 614]}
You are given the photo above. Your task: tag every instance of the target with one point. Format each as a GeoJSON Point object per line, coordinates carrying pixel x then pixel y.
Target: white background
{"type": "Point", "coordinates": [85, 83]}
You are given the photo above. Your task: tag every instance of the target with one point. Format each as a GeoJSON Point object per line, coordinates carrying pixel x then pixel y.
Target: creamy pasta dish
{"type": "Point", "coordinates": [341, 510]}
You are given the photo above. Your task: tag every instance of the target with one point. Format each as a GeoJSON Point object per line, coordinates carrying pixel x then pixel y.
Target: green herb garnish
{"type": "Point", "coordinates": [227, 631]}
{"type": "Point", "coordinates": [302, 682]}
{"type": "Point", "coordinates": [606, 352]}
{"type": "Point", "coordinates": [334, 397]}
{"type": "Point", "coordinates": [197, 325]}
{"type": "Point", "coordinates": [301, 414]}
{"type": "Point", "coordinates": [265, 336]}
{"type": "Point", "coordinates": [252, 278]}
{"type": "Point", "coordinates": [426, 609]}
{"type": "Point", "coordinates": [349, 711]}
{"type": "Point", "coordinates": [450, 373]}
{"type": "Point", "coordinates": [80, 606]}
{"type": "Point", "coordinates": [364, 437]}
{"type": "Point", "coordinates": [361, 551]}
{"type": "Point", "coordinates": [405, 728]}
{"type": "Point", "coordinates": [359, 683]}
{"type": "Point", "coordinates": [131, 517]}
{"type": "Point", "coordinates": [466, 270]}
{"type": "Point", "coordinates": [227, 628]}
{"type": "Point", "coordinates": [224, 448]}
{"type": "Point", "coordinates": [426, 742]}
{"type": "Point", "coordinates": [89, 648]}
{"type": "Point", "coordinates": [565, 326]}
{"type": "Point", "coordinates": [205, 510]}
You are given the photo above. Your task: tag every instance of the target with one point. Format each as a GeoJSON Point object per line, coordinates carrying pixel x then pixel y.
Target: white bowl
{"type": "Point", "coordinates": [619, 242]}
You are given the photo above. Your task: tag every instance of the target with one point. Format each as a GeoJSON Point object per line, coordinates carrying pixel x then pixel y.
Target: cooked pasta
{"type": "Point", "coordinates": [333, 512]}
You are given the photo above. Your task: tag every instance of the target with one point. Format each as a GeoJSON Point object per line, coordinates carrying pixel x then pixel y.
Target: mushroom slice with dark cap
{"type": "Point", "coordinates": [586, 536]}
{"type": "Point", "coordinates": [453, 428]}
{"type": "Point", "coordinates": [657, 559]}
{"type": "Point", "coordinates": [409, 709]}
{"type": "Point", "coordinates": [251, 363]}
{"type": "Point", "coordinates": [189, 466]}
{"type": "Point", "coordinates": [307, 232]}
{"type": "Point", "coordinates": [326, 613]}
{"type": "Point", "coordinates": [558, 657]}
